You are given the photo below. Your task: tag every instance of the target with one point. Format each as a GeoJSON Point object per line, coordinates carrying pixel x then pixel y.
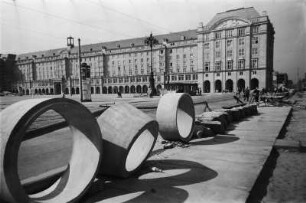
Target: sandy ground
{"type": "Point", "coordinates": [288, 182]}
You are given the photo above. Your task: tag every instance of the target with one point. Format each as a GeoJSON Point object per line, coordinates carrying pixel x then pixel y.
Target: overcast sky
{"type": "Point", "coordinates": [33, 25]}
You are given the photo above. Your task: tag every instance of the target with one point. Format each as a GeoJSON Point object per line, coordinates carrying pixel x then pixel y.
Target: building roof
{"type": "Point", "coordinates": [246, 13]}
{"type": "Point", "coordinates": [172, 37]}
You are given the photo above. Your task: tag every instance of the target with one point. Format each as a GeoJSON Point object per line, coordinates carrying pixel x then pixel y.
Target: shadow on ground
{"type": "Point", "coordinates": [148, 186]}
{"type": "Point", "coordinates": [218, 139]}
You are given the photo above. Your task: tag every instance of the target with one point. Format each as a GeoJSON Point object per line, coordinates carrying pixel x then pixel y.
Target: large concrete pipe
{"type": "Point", "coordinates": [129, 136]}
{"type": "Point", "coordinates": [85, 157]}
{"type": "Point", "coordinates": [175, 116]}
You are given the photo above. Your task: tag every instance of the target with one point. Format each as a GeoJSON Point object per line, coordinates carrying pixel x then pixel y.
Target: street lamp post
{"type": "Point", "coordinates": [70, 43]}
{"type": "Point", "coordinates": [166, 73]}
{"type": "Point", "coordinates": [151, 41]}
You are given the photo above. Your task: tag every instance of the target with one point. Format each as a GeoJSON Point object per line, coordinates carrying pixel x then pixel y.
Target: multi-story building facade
{"type": "Point", "coordinates": [233, 51]}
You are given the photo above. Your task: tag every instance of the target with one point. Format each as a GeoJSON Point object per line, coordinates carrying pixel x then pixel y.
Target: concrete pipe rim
{"type": "Point", "coordinates": [184, 121]}
{"type": "Point", "coordinates": [148, 133]}
{"type": "Point", "coordinates": [83, 138]}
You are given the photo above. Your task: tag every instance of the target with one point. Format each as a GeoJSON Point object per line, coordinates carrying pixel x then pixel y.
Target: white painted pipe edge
{"type": "Point", "coordinates": [85, 157]}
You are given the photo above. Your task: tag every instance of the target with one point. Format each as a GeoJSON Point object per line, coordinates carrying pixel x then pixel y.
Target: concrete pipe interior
{"type": "Point", "coordinates": [185, 119]}
{"type": "Point", "coordinates": [139, 150]}
{"type": "Point", "coordinates": [84, 159]}
{"type": "Point", "coordinates": [129, 136]}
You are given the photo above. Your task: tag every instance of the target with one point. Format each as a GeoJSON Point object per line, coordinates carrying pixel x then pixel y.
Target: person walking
{"type": "Point", "coordinates": [246, 94]}
{"type": "Point", "coordinates": [256, 95]}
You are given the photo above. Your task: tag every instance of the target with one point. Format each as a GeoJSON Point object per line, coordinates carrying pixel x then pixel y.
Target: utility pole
{"type": "Point", "coordinates": [80, 69]}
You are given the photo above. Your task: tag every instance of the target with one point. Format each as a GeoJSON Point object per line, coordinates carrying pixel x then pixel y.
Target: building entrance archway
{"type": "Point", "coordinates": [254, 83]}
{"type": "Point", "coordinates": [218, 86]}
{"type": "Point", "coordinates": [206, 86]}
{"type": "Point", "coordinates": [240, 84]}
{"type": "Point", "coordinates": [229, 85]}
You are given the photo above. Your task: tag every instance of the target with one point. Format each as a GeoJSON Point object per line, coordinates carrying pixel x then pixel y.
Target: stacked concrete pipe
{"type": "Point", "coordinates": [129, 136]}
{"type": "Point", "coordinates": [175, 116]}
{"type": "Point", "coordinates": [85, 157]}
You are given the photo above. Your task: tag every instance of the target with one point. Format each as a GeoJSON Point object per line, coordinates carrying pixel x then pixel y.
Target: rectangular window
{"type": "Point", "coordinates": [218, 35]}
{"type": "Point", "coordinates": [109, 80]}
{"type": "Point", "coordinates": [206, 37]}
{"type": "Point", "coordinates": [229, 33]}
{"type": "Point", "coordinates": [254, 63]}
{"type": "Point", "coordinates": [181, 77]}
{"type": "Point", "coordinates": [218, 74]}
{"type": "Point", "coordinates": [217, 44]}
{"type": "Point", "coordinates": [194, 76]}
{"type": "Point", "coordinates": [138, 79]}
{"type": "Point", "coordinates": [241, 64]}
{"type": "Point", "coordinates": [218, 65]}
{"type": "Point", "coordinates": [230, 64]}
{"type": "Point", "coordinates": [254, 40]}
{"type": "Point", "coordinates": [229, 53]}
{"type": "Point", "coordinates": [114, 80]}
{"type": "Point", "coordinates": [241, 52]}
{"type": "Point", "coordinates": [240, 73]}
{"type": "Point", "coordinates": [120, 80]}
{"type": "Point", "coordinates": [188, 77]}
{"type": "Point", "coordinates": [132, 79]}
{"type": "Point", "coordinates": [173, 77]}
{"type": "Point", "coordinates": [218, 54]}
{"type": "Point", "coordinates": [254, 51]}
{"type": "Point", "coordinates": [229, 73]}
{"type": "Point", "coordinates": [254, 72]}
{"type": "Point", "coordinates": [255, 29]}
{"type": "Point", "coordinates": [228, 43]}
{"type": "Point", "coordinates": [206, 66]}
{"type": "Point", "coordinates": [206, 46]}
{"type": "Point", "coordinates": [126, 79]}
{"type": "Point", "coordinates": [161, 51]}
{"type": "Point", "coordinates": [241, 41]}
{"type": "Point", "coordinates": [241, 31]}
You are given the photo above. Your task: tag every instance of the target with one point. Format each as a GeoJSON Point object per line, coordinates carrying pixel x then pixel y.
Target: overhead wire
{"type": "Point", "coordinates": [66, 19]}
{"type": "Point", "coordinates": [133, 17]}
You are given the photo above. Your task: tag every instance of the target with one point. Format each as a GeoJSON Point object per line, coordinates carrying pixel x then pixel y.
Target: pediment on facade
{"type": "Point", "coordinates": [229, 23]}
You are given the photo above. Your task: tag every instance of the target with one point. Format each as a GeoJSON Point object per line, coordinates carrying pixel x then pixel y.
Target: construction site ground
{"type": "Point", "coordinates": [258, 159]}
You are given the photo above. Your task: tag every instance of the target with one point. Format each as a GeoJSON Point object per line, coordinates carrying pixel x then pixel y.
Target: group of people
{"type": "Point", "coordinates": [250, 95]}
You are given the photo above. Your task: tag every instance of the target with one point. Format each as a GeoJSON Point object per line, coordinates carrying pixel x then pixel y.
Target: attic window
{"type": "Point", "coordinates": [42, 55]}
{"type": "Point", "coordinates": [53, 54]}
{"type": "Point", "coordinates": [90, 49]}
{"type": "Point", "coordinates": [183, 37]}
{"type": "Point", "coordinates": [132, 44]}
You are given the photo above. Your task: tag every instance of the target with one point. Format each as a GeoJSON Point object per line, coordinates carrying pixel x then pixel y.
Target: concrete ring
{"type": "Point", "coordinates": [85, 157]}
{"type": "Point", "coordinates": [176, 116]}
{"type": "Point", "coordinates": [129, 136]}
